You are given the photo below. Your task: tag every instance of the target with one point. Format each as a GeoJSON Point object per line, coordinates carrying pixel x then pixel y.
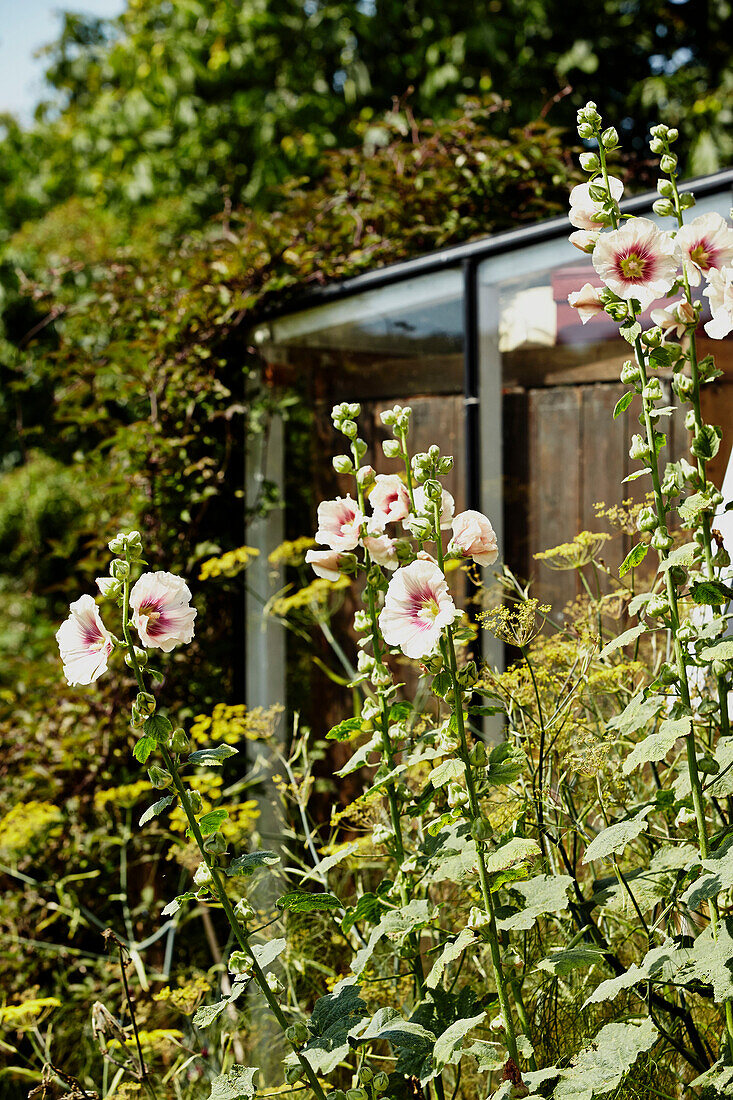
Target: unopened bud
{"type": "Point", "coordinates": [609, 138]}
{"type": "Point", "coordinates": [297, 1034]}
{"type": "Point", "coordinates": [668, 163]}
{"type": "Point", "coordinates": [120, 569]}
{"type": "Point", "coordinates": [589, 162]}
{"type": "Point", "coordinates": [178, 742]}
{"type": "Point", "coordinates": [391, 448]}
{"type": "Point", "coordinates": [145, 703]}
{"type": "Point", "coordinates": [159, 777]}
{"type": "Point", "coordinates": [342, 464]}
{"type": "Point", "coordinates": [239, 963]}
{"type": "Point", "coordinates": [195, 802]}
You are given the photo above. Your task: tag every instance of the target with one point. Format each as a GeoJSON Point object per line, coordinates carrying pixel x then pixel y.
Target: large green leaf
{"type": "Point", "coordinates": [602, 1065]}
{"type": "Point", "coordinates": [567, 961]}
{"type": "Point", "coordinates": [615, 838]}
{"type": "Point", "coordinates": [156, 808]}
{"type": "Point", "coordinates": [516, 850]}
{"type": "Point", "coordinates": [657, 745]}
{"type": "Point", "coordinates": [717, 875]}
{"type": "Point", "coordinates": [238, 1084]}
{"type": "Point", "coordinates": [250, 861]}
{"type": "Point", "coordinates": [212, 757]}
{"type": "Point", "coordinates": [299, 901]}
{"type": "Point", "coordinates": [506, 763]}
{"type": "Point", "coordinates": [542, 894]}
{"type": "Point", "coordinates": [447, 1049]}
{"type": "Point", "coordinates": [452, 951]}
{"type": "Point", "coordinates": [660, 964]}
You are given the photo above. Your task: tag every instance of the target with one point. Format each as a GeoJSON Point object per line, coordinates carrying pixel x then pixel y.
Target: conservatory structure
{"type": "Point", "coordinates": [481, 341]}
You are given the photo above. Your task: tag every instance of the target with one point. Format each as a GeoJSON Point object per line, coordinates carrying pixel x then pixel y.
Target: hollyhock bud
{"type": "Point", "coordinates": [178, 742]}
{"type": "Point", "coordinates": [668, 163]}
{"type": "Point", "coordinates": [215, 844]}
{"type": "Point", "coordinates": [380, 1082]}
{"type": "Point", "coordinates": [297, 1034]}
{"type": "Point", "coordinates": [141, 657]}
{"type": "Point", "coordinates": [584, 240]}
{"type": "Point", "coordinates": [587, 301]}
{"type": "Point", "coordinates": [365, 476]}
{"type": "Point", "coordinates": [273, 982]}
{"type": "Point", "coordinates": [120, 569]}
{"type": "Point", "coordinates": [293, 1074]}
{"type": "Point", "coordinates": [243, 911]}
{"type": "Point", "coordinates": [325, 563]}
{"type": "Point", "coordinates": [202, 875]}
{"type": "Point", "coordinates": [342, 464]}
{"type": "Point", "coordinates": [239, 963]}
{"type": "Point", "coordinates": [160, 778]}
{"type": "Point", "coordinates": [589, 162]}
{"type": "Point", "coordinates": [474, 537]}
{"type": "Point", "coordinates": [145, 702]}
{"type": "Point", "coordinates": [109, 587]}
{"type": "Point", "coordinates": [195, 802]}
{"type": "Point", "coordinates": [391, 448]}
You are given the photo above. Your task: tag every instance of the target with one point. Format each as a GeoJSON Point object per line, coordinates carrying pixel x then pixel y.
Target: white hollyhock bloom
{"type": "Point", "coordinates": [382, 550]}
{"type": "Point", "coordinates": [637, 261]}
{"type": "Point", "coordinates": [706, 245]}
{"type": "Point", "coordinates": [587, 301]}
{"type": "Point", "coordinates": [417, 609]}
{"type": "Point", "coordinates": [161, 610]}
{"type": "Point", "coordinates": [84, 643]}
{"type": "Point", "coordinates": [720, 293]}
{"type": "Point", "coordinates": [474, 537]}
{"type": "Point", "coordinates": [389, 499]}
{"type": "Point", "coordinates": [675, 318]}
{"type": "Point", "coordinates": [583, 207]}
{"type": "Point", "coordinates": [424, 507]}
{"type": "Point", "coordinates": [339, 523]}
{"type": "Point", "coordinates": [325, 563]}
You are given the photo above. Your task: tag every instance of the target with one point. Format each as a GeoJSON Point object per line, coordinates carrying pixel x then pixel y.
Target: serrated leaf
{"type": "Point", "coordinates": [212, 821]}
{"type": "Point", "coordinates": [564, 962]}
{"type": "Point", "coordinates": [623, 403]}
{"type": "Point", "coordinates": [626, 638]}
{"type": "Point", "coordinates": [717, 875]}
{"type": "Point", "coordinates": [300, 901]}
{"type": "Point", "coordinates": [514, 851]}
{"type": "Point", "coordinates": [661, 964]}
{"type": "Point", "coordinates": [639, 601]}
{"type": "Point", "coordinates": [542, 894]}
{"type": "Point", "coordinates": [238, 1084]}
{"type": "Point", "coordinates": [158, 727]}
{"type": "Point", "coordinates": [488, 1056]}
{"type": "Point", "coordinates": [266, 953]}
{"type": "Point", "coordinates": [633, 558]}
{"type": "Point", "coordinates": [396, 923]}
{"type": "Point", "coordinates": [605, 1062]}
{"type": "Point", "coordinates": [250, 861]}
{"type": "Point", "coordinates": [637, 714]}
{"type": "Point", "coordinates": [506, 763]}
{"type": "Point", "coordinates": [212, 757]}
{"type": "Point", "coordinates": [721, 651]}
{"type": "Point", "coordinates": [657, 745]}
{"type": "Point", "coordinates": [447, 1046]}
{"type": "Point", "coordinates": [336, 1018]}
{"type": "Point", "coordinates": [346, 730]}
{"type": "Point", "coordinates": [156, 808]}
{"type": "Point", "coordinates": [712, 960]}
{"type": "Point", "coordinates": [451, 770]}
{"type": "Point", "coordinates": [360, 758]}
{"type": "Point", "coordinates": [706, 442]}
{"type": "Point", "coordinates": [143, 749]}
{"type": "Point", "coordinates": [712, 593]}
{"type": "Point", "coordinates": [206, 1014]}
{"type": "Point", "coordinates": [693, 505]}
{"type": "Point", "coordinates": [683, 555]}
{"type": "Point", "coordinates": [615, 838]}
{"type": "Point", "coordinates": [449, 954]}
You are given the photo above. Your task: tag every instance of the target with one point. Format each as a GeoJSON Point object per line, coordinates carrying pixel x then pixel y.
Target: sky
{"type": "Point", "coordinates": [25, 25]}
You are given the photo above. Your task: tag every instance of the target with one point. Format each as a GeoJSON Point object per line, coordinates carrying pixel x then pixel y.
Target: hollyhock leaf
{"type": "Point", "coordinates": [447, 772]}
{"type": "Point", "coordinates": [237, 1084]}
{"type": "Point", "coordinates": [449, 954]}
{"type": "Point", "coordinates": [514, 851]}
{"type": "Point", "coordinates": [266, 953]}
{"type": "Point", "coordinates": [212, 821]}
{"type": "Point", "coordinates": [361, 757]}
{"type": "Point", "coordinates": [623, 403]}
{"type": "Point", "coordinates": [487, 1055]}
{"type": "Point", "coordinates": [657, 745]}
{"type": "Point", "coordinates": [206, 1014]}
{"type": "Point", "coordinates": [661, 964]}
{"type": "Point", "coordinates": [248, 863]}
{"type": "Point", "coordinates": [712, 593]}
{"type": "Point", "coordinates": [394, 923]}
{"type": "Point", "coordinates": [615, 838]}
{"type": "Point", "coordinates": [447, 1049]}
{"type": "Point", "coordinates": [633, 558]}
{"type": "Point", "coordinates": [542, 894]}
{"type": "Point", "coordinates": [603, 1064]}
{"type": "Point", "coordinates": [506, 763]}
{"type": "Point", "coordinates": [369, 908]}
{"type": "Point", "coordinates": [712, 960]}
{"type": "Point", "coordinates": [721, 651]}
{"type": "Point", "coordinates": [636, 475]}
{"type": "Point", "coordinates": [622, 640]}
{"type": "Point", "coordinates": [213, 756]}
{"type": "Point", "coordinates": [173, 906]}
{"type": "Point", "coordinates": [346, 730]}
{"type": "Point", "coordinates": [717, 875]}
{"type": "Point", "coordinates": [158, 727]}
{"type": "Point", "coordinates": [156, 808]}
{"type": "Point", "coordinates": [706, 442]}
{"type": "Point", "coordinates": [335, 1016]}
{"type": "Point", "coordinates": [154, 674]}
{"type": "Point", "coordinates": [299, 901]}
{"type": "Point", "coordinates": [143, 748]}
{"type": "Point", "coordinates": [333, 860]}
{"type": "Point", "coordinates": [637, 714]}
{"type": "Point", "coordinates": [562, 963]}
{"type": "Point", "coordinates": [682, 555]}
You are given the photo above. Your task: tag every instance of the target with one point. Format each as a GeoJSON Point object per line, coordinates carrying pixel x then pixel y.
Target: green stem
{"type": "Point", "coordinates": [239, 935]}
{"type": "Point", "coordinates": [449, 654]}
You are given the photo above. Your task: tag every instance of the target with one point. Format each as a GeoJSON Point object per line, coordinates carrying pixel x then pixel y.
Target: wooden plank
{"type": "Point", "coordinates": [554, 488]}
{"type": "Point", "coordinates": [602, 461]}
{"type": "Point", "coordinates": [716, 405]}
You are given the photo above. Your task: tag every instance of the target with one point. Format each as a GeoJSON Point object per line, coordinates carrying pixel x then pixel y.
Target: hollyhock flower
{"type": "Point", "coordinates": [587, 301]}
{"type": "Point", "coordinates": [161, 610]}
{"type": "Point", "coordinates": [84, 643]}
{"type": "Point", "coordinates": [583, 207]}
{"type": "Point", "coordinates": [584, 239]}
{"type": "Point", "coordinates": [705, 244]}
{"type": "Point", "coordinates": [339, 523]}
{"type": "Point", "coordinates": [424, 506]}
{"type": "Point", "coordinates": [675, 318]}
{"type": "Point", "coordinates": [382, 550]}
{"type": "Point", "coordinates": [637, 261]}
{"type": "Point", "coordinates": [417, 608]}
{"type": "Point", "coordinates": [389, 499]}
{"type": "Point", "coordinates": [325, 563]}
{"type": "Point", "coordinates": [474, 537]}
{"type": "Point", "coordinates": [720, 293]}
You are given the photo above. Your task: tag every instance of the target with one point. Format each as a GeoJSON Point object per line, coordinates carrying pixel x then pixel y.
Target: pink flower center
{"type": "Point", "coordinates": [423, 606]}
{"type": "Point", "coordinates": [156, 622]}
{"type": "Point", "coordinates": [704, 254]}
{"type": "Point", "coordinates": [92, 637]}
{"type": "Point", "coordinates": [635, 264]}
